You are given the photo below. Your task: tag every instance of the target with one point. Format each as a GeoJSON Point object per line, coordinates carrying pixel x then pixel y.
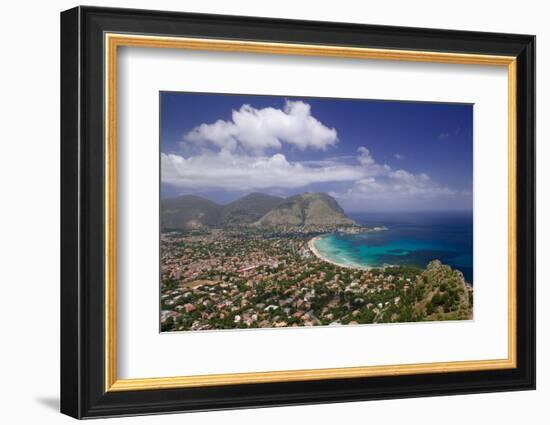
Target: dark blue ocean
{"type": "Point", "coordinates": [410, 239]}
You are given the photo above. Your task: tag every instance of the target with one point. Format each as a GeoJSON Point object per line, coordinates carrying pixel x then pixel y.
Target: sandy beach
{"type": "Point", "coordinates": [313, 249]}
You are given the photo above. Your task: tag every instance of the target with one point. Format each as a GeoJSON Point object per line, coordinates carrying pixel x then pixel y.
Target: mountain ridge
{"type": "Point", "coordinates": [307, 209]}
{"type": "Point", "coordinates": [249, 208]}
{"type": "Point", "coordinates": [189, 212]}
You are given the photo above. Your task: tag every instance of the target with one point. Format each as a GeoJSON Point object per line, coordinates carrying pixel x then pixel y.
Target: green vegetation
{"type": "Point", "coordinates": [253, 277]}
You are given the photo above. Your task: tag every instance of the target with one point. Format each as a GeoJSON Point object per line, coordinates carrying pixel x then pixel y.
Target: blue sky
{"type": "Point", "coordinates": [370, 155]}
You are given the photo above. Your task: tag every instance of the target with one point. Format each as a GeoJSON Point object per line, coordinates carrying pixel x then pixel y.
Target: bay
{"type": "Point", "coordinates": [411, 239]}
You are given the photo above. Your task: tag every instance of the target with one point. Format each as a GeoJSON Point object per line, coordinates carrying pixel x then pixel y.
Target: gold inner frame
{"type": "Point", "coordinates": [113, 41]}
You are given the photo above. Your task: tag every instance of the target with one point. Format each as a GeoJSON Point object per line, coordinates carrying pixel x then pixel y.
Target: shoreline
{"type": "Point", "coordinates": [313, 249]}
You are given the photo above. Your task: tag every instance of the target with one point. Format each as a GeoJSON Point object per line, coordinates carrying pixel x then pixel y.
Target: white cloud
{"type": "Point", "coordinates": [237, 155]}
{"type": "Point", "coordinates": [363, 183]}
{"type": "Point", "coordinates": [382, 186]}
{"type": "Point", "coordinates": [228, 171]}
{"type": "Point", "coordinates": [364, 157]}
{"type": "Point", "coordinates": [258, 130]}
{"type": "Point", "coordinates": [370, 166]}
{"type": "Point", "coordinates": [405, 183]}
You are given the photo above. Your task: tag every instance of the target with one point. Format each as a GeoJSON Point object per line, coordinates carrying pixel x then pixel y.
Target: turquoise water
{"type": "Point", "coordinates": [411, 239]}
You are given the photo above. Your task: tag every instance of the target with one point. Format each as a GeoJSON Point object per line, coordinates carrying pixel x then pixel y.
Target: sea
{"type": "Point", "coordinates": [412, 239]}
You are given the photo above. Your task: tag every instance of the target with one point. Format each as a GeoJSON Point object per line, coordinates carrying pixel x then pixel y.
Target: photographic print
{"type": "Point", "coordinates": [283, 211]}
{"type": "Point", "coordinates": [328, 202]}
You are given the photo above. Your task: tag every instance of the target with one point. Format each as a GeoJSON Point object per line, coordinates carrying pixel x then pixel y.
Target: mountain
{"type": "Point", "coordinates": [189, 212]}
{"type": "Point", "coordinates": [306, 209]}
{"type": "Point", "coordinates": [443, 294]}
{"type": "Point", "coordinates": [248, 209]}
{"type": "Point", "coordinates": [194, 212]}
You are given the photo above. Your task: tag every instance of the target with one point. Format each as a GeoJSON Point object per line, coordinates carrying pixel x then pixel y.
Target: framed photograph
{"type": "Point", "coordinates": [261, 212]}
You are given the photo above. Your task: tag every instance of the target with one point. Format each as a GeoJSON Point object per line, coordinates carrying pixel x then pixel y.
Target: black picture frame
{"type": "Point", "coordinates": [83, 392]}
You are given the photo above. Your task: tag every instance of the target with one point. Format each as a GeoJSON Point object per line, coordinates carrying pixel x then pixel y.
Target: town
{"type": "Point", "coordinates": [246, 277]}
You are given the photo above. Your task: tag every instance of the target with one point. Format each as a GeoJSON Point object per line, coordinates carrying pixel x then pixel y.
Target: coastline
{"type": "Point", "coordinates": [313, 249]}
